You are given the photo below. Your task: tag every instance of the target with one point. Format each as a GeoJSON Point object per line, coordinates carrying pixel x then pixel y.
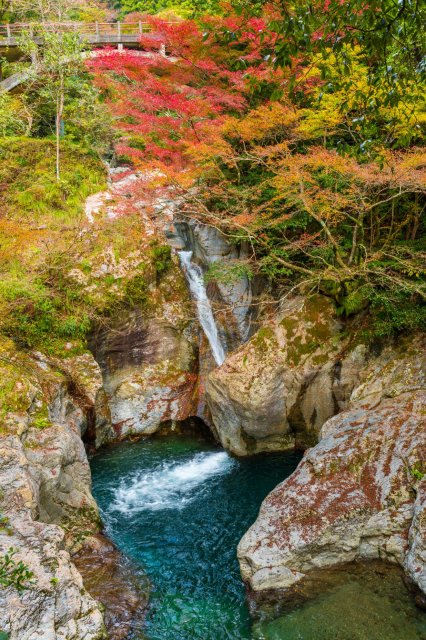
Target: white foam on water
{"type": "Point", "coordinates": [194, 275]}
{"type": "Point", "coordinates": [169, 486]}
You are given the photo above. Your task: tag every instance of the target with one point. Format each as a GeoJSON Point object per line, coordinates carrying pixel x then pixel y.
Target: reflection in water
{"type": "Point", "coordinates": [116, 583]}
{"type": "Point", "coordinates": [358, 602]}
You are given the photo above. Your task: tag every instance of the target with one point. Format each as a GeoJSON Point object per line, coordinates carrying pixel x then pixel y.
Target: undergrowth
{"type": "Point", "coordinates": [59, 276]}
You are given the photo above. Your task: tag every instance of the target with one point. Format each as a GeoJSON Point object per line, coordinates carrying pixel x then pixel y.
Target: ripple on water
{"type": "Point", "coordinates": [170, 485]}
{"type": "Point", "coordinates": [178, 507]}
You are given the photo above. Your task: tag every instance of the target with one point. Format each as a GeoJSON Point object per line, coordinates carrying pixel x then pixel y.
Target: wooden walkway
{"type": "Point", "coordinates": [92, 34]}
{"type": "Point", "coordinates": [13, 81]}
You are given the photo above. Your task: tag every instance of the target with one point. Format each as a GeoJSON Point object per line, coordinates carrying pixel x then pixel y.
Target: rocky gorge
{"type": "Point", "coordinates": [294, 377]}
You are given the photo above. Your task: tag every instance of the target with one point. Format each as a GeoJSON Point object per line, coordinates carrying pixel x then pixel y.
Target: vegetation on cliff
{"type": "Point", "coordinates": [315, 159]}
{"type": "Point", "coordinates": [59, 276]}
{"type": "Point", "coordinates": [305, 143]}
{"type": "Point", "coordinates": [13, 573]}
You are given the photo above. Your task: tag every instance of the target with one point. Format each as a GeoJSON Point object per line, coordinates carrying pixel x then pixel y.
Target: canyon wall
{"type": "Point", "coordinates": [52, 405]}
{"type": "Point", "coordinates": [149, 360]}
{"type": "Point", "coordinates": [46, 505]}
{"type": "Point", "coordinates": [296, 376]}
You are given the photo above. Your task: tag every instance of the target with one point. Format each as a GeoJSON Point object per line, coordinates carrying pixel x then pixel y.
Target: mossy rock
{"type": "Point", "coordinates": [264, 340]}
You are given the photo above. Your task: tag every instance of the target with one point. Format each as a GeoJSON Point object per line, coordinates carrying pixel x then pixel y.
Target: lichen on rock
{"type": "Point", "coordinates": [150, 373]}
{"type": "Point", "coordinates": [358, 494]}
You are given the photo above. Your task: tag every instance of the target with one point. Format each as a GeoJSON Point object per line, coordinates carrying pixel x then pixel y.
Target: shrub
{"type": "Point", "coordinates": [162, 258]}
{"type": "Point", "coordinates": [14, 574]}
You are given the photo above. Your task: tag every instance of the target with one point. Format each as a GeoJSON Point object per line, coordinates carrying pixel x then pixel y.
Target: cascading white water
{"type": "Point", "coordinates": [194, 275]}
{"type": "Point", "coordinates": [170, 485]}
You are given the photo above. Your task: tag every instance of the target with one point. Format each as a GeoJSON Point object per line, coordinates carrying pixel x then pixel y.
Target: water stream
{"type": "Point", "coordinates": [194, 276]}
{"type": "Point", "coordinates": [177, 508]}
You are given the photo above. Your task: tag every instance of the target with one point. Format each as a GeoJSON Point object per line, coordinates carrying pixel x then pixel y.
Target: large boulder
{"type": "Point", "coordinates": [359, 493]}
{"type": "Point", "coordinates": [55, 605]}
{"type": "Point", "coordinates": [277, 391]}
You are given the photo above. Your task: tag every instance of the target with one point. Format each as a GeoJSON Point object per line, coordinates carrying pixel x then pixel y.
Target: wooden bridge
{"type": "Point", "coordinates": [93, 34]}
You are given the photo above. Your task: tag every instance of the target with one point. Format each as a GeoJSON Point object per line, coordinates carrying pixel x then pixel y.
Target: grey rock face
{"type": "Point", "coordinates": [415, 560]}
{"type": "Point", "coordinates": [234, 298]}
{"type": "Point", "coordinates": [150, 374]}
{"type": "Point", "coordinates": [55, 606]}
{"type": "Point", "coordinates": [279, 389]}
{"type": "Point", "coordinates": [89, 405]}
{"type": "Point", "coordinates": [353, 495]}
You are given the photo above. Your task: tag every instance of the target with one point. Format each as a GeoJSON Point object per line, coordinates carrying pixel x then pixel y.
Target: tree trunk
{"type": "Point", "coordinates": [59, 113]}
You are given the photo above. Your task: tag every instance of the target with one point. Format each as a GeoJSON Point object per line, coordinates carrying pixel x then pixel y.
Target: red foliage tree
{"type": "Point", "coordinates": [168, 105]}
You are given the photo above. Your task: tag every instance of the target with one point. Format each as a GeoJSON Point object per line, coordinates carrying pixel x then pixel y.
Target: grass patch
{"type": "Point", "coordinates": [28, 186]}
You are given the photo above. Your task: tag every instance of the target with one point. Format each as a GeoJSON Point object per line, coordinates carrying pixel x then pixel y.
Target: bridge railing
{"type": "Point", "coordinates": [93, 30]}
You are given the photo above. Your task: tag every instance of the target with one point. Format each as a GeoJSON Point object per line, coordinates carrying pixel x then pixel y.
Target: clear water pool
{"type": "Point", "coordinates": [178, 506]}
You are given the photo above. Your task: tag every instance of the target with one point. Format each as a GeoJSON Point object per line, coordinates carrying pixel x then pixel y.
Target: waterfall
{"type": "Point", "coordinates": [194, 275]}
